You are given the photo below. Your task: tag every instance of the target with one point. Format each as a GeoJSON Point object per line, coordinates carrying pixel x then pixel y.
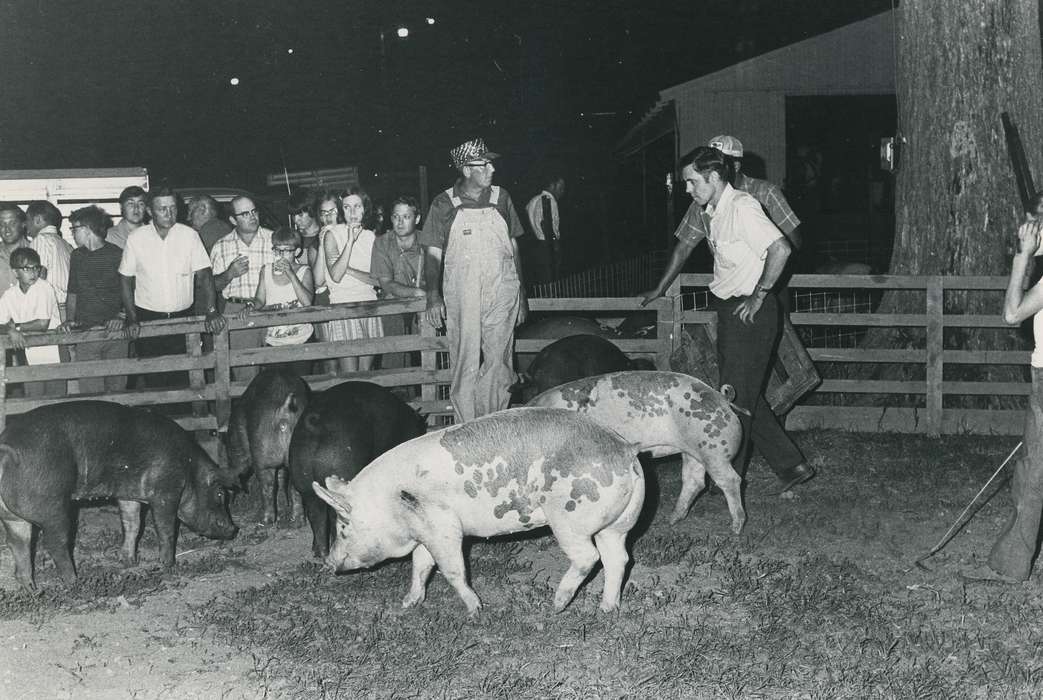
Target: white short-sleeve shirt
{"type": "Point", "coordinates": [740, 235]}
{"type": "Point", "coordinates": [163, 268]}
{"type": "Point", "coordinates": [39, 301]}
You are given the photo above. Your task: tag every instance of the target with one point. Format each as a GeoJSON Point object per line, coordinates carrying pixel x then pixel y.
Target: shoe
{"type": "Point", "coordinates": [798, 475]}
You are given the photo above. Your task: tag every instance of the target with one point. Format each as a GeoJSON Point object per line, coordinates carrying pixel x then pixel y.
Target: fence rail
{"type": "Point", "coordinates": [211, 387]}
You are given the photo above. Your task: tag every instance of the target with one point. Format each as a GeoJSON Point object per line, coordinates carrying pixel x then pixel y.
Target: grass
{"type": "Point", "coordinates": [817, 598]}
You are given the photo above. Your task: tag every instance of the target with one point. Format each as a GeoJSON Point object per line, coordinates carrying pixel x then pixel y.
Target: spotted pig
{"type": "Point", "coordinates": [506, 472]}
{"type": "Point", "coordinates": [665, 413]}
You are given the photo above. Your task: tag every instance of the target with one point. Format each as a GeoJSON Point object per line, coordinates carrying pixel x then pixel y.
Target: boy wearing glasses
{"type": "Point", "coordinates": [31, 306]}
{"type": "Point", "coordinates": [286, 283]}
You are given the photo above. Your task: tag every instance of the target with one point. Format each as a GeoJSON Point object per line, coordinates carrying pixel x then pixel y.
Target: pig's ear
{"type": "Point", "coordinates": [336, 501]}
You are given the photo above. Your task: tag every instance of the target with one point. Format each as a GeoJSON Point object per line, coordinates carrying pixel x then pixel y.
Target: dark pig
{"type": "Point", "coordinates": [88, 450]}
{"type": "Point", "coordinates": [342, 430]}
{"type": "Point", "coordinates": [571, 358]}
{"type": "Point", "coordinates": [260, 429]}
{"type": "Point", "coordinates": [561, 327]}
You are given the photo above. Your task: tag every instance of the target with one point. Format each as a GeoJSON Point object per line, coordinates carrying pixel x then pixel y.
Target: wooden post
{"type": "Point", "coordinates": [196, 379]}
{"type": "Point", "coordinates": [421, 174]}
{"type": "Point", "coordinates": [429, 361]}
{"type": "Point", "coordinates": [3, 386]}
{"type": "Point", "coordinates": [935, 348]}
{"type": "Point", "coordinates": [222, 379]}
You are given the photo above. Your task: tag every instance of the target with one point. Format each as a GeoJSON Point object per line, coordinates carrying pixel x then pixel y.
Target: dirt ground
{"type": "Point", "coordinates": [143, 642]}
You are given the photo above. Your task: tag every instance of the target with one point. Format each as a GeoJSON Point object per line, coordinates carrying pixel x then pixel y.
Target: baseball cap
{"type": "Point", "coordinates": [728, 145]}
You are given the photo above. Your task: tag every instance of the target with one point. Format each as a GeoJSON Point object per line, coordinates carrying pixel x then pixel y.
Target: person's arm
{"type": "Point", "coordinates": [678, 258]}
{"type": "Point", "coordinates": [523, 302]}
{"type": "Point", "coordinates": [433, 285]}
{"type": "Point", "coordinates": [1019, 304]}
{"type": "Point", "coordinates": [775, 260]}
{"type": "Point", "coordinates": [70, 312]}
{"type": "Point", "coordinates": [337, 265]}
{"type": "Point", "coordinates": [206, 300]}
{"type": "Point", "coordinates": [229, 271]}
{"type": "Point", "coordinates": [301, 287]}
{"type": "Point", "coordinates": [130, 324]}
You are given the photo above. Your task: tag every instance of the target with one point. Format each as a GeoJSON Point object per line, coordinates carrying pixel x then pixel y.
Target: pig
{"type": "Point", "coordinates": [570, 358]}
{"type": "Point", "coordinates": [561, 327]}
{"type": "Point", "coordinates": [665, 413]}
{"type": "Point", "coordinates": [259, 433]}
{"type": "Point", "coordinates": [88, 450]}
{"type": "Point", "coordinates": [342, 430]}
{"type": "Point", "coordinates": [506, 472]}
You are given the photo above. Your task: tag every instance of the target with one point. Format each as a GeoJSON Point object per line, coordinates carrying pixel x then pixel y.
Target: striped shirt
{"type": "Point", "coordinates": [94, 279]}
{"type": "Point", "coordinates": [695, 225]}
{"type": "Point", "coordinates": [259, 253]}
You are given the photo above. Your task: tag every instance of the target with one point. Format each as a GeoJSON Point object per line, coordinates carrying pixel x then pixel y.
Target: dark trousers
{"type": "Point", "coordinates": [1014, 550]}
{"type": "Point", "coordinates": [162, 345]}
{"type": "Point", "coordinates": [744, 355]}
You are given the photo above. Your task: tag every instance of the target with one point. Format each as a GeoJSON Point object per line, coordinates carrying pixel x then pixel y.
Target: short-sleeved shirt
{"type": "Point", "coordinates": [391, 261]}
{"type": "Point", "coordinates": [118, 234]}
{"type": "Point", "coordinates": [442, 212]}
{"type": "Point", "coordinates": [39, 301]}
{"type": "Point", "coordinates": [54, 254]}
{"type": "Point", "coordinates": [695, 224]}
{"type": "Point", "coordinates": [259, 253]}
{"type": "Point", "coordinates": [94, 279]}
{"type": "Point", "coordinates": [163, 268]}
{"type": "Point", "coordinates": [740, 235]}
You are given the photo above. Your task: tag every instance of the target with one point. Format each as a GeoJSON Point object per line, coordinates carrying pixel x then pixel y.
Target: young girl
{"type": "Point", "coordinates": [284, 284]}
{"type": "Point", "coordinates": [347, 251]}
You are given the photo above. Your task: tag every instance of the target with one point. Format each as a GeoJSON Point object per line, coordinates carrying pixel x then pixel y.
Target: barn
{"type": "Point", "coordinates": [833, 92]}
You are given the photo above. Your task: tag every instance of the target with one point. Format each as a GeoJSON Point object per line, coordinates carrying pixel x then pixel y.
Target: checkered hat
{"type": "Point", "coordinates": [469, 151]}
{"type": "Point", "coordinates": [728, 145]}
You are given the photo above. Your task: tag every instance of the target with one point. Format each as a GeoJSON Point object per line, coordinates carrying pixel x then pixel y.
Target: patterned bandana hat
{"type": "Point", "coordinates": [469, 151]}
{"type": "Point", "coordinates": [728, 145]}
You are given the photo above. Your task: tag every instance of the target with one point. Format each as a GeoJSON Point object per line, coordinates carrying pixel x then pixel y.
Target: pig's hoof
{"type": "Point", "coordinates": [411, 600]}
{"type": "Point", "coordinates": [607, 607]}
{"type": "Point", "coordinates": [737, 527]}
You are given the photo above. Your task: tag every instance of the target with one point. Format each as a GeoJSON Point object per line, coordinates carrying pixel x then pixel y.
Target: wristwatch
{"type": "Point", "coordinates": [762, 288]}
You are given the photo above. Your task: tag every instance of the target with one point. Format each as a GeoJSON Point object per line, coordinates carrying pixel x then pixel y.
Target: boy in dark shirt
{"type": "Point", "coordinates": [94, 295]}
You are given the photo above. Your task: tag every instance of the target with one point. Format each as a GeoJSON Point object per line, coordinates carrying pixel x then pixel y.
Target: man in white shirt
{"type": "Point", "coordinates": [542, 211]}
{"type": "Point", "coordinates": [749, 254]}
{"type": "Point", "coordinates": [236, 261]}
{"type": "Point", "coordinates": [42, 221]}
{"type": "Point", "coordinates": [164, 271]}
{"type": "Point", "coordinates": [132, 208]}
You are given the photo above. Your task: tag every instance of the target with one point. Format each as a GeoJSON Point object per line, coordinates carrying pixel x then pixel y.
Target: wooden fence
{"type": "Point", "coordinates": [211, 388]}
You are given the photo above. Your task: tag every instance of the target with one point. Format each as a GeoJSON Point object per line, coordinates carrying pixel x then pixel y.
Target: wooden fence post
{"type": "Point", "coordinates": [935, 349]}
{"type": "Point", "coordinates": [429, 361]}
{"type": "Point", "coordinates": [222, 379]}
{"type": "Point", "coordinates": [668, 323]}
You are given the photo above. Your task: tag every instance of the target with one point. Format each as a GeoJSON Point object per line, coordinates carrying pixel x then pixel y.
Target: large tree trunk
{"type": "Point", "coordinates": [961, 63]}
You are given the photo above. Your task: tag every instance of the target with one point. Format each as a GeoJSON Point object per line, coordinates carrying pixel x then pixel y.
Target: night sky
{"type": "Point", "coordinates": [96, 83]}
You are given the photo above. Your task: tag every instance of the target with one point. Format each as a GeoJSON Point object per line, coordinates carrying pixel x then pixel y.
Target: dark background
{"type": "Point", "coordinates": [547, 84]}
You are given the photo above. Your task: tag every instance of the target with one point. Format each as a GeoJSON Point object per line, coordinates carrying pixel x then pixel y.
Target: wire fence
{"type": "Point", "coordinates": [620, 278]}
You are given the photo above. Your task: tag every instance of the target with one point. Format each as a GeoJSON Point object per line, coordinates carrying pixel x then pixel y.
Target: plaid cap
{"type": "Point", "coordinates": [728, 145]}
{"type": "Point", "coordinates": [468, 151]}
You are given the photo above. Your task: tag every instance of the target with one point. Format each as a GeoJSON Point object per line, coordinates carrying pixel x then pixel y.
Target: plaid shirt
{"type": "Point", "coordinates": [695, 225]}
{"type": "Point", "coordinates": [259, 253]}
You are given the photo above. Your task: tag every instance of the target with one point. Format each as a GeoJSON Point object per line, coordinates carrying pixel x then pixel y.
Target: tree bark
{"type": "Point", "coordinates": [961, 63]}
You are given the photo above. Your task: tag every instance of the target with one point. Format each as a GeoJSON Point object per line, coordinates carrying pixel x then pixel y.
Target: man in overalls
{"type": "Point", "coordinates": [471, 233]}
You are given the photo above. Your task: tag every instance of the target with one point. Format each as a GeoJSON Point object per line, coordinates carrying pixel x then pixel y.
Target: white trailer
{"type": "Point", "coordinates": [70, 189]}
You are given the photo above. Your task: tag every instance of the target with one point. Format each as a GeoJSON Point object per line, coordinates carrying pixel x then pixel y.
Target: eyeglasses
{"type": "Point", "coordinates": [248, 212]}
{"type": "Point", "coordinates": [328, 211]}
{"type": "Point", "coordinates": [29, 268]}
{"type": "Point", "coordinates": [479, 164]}
{"type": "Point", "coordinates": [277, 249]}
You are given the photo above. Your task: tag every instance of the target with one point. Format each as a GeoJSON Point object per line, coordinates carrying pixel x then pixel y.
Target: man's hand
{"type": "Point", "coordinates": [435, 310]}
{"type": "Point", "coordinates": [245, 311]}
{"type": "Point", "coordinates": [215, 322]}
{"type": "Point", "coordinates": [114, 327]}
{"type": "Point", "coordinates": [68, 327]}
{"type": "Point", "coordinates": [649, 296]}
{"type": "Point", "coordinates": [1028, 237]}
{"type": "Point", "coordinates": [17, 339]}
{"type": "Point", "coordinates": [748, 308]}
{"type": "Point", "coordinates": [130, 329]}
{"type": "Point", "coordinates": [239, 266]}
{"type": "Point", "coordinates": [523, 308]}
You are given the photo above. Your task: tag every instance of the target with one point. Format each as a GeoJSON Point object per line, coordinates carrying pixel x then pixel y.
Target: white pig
{"type": "Point", "coordinates": [665, 413]}
{"type": "Point", "coordinates": [513, 470]}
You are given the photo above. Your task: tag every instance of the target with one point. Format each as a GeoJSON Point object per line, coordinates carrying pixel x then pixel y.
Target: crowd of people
{"type": "Point", "coordinates": [157, 264]}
